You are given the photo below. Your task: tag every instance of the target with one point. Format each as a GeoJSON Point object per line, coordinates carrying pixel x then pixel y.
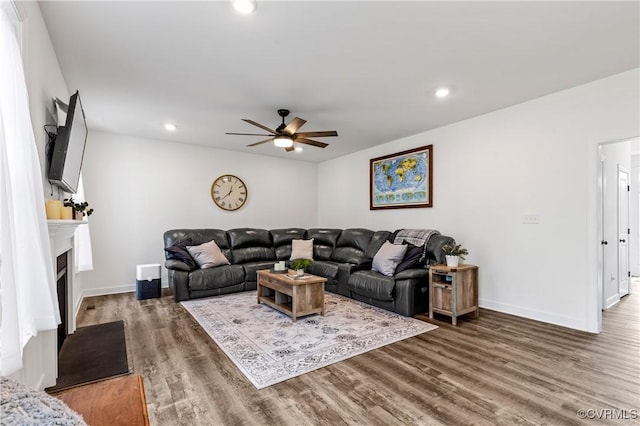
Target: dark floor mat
{"type": "Point", "coordinates": [90, 354]}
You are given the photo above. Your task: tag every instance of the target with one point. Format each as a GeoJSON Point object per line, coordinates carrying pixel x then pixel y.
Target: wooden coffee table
{"type": "Point", "coordinates": [291, 296]}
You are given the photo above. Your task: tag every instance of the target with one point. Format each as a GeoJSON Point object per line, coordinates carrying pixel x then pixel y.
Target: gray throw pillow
{"type": "Point", "coordinates": [208, 255]}
{"type": "Point", "coordinates": [302, 249]}
{"type": "Point", "coordinates": [388, 257]}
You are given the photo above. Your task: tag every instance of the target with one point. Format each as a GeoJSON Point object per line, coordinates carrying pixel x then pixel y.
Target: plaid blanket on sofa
{"type": "Point", "coordinates": [417, 237]}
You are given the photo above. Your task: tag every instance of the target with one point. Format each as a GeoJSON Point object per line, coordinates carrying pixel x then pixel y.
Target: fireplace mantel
{"type": "Point", "coordinates": [61, 235]}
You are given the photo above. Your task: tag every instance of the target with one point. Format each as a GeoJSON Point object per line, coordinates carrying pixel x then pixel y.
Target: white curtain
{"type": "Point", "coordinates": [27, 283]}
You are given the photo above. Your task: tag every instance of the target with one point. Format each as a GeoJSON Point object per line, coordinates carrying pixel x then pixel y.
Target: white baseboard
{"type": "Point", "coordinates": [612, 300]}
{"type": "Point", "coordinates": [551, 318]}
{"type": "Point", "coordinates": [103, 291]}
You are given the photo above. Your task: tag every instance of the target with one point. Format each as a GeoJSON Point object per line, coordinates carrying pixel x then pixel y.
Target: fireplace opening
{"type": "Point", "coordinates": [61, 285]}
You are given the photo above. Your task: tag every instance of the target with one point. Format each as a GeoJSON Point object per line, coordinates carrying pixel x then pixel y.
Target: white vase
{"type": "Point", "coordinates": [452, 260]}
{"type": "Point", "coordinates": [299, 272]}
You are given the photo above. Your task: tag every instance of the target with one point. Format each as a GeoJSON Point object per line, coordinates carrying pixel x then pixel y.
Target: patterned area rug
{"type": "Point", "coordinates": [269, 348]}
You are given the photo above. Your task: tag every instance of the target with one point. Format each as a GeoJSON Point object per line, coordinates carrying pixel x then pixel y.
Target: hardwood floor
{"type": "Point", "coordinates": [495, 370]}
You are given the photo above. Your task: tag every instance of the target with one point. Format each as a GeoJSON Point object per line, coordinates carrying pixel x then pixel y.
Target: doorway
{"type": "Point", "coordinates": [624, 272]}
{"type": "Point", "coordinates": [620, 226]}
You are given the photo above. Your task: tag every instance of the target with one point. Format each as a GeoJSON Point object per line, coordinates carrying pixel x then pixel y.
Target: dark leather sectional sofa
{"type": "Point", "coordinates": [343, 256]}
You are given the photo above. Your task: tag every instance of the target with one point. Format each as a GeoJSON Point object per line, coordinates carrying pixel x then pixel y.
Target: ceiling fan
{"type": "Point", "coordinates": [286, 134]}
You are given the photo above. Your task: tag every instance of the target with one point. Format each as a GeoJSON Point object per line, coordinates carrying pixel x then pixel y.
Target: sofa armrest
{"type": "Point", "coordinates": [177, 265]}
{"type": "Point", "coordinates": [360, 262]}
{"type": "Point", "coordinates": [179, 284]}
{"type": "Point", "coordinates": [412, 273]}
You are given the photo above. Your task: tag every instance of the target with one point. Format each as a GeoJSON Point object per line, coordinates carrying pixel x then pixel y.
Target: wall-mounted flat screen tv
{"type": "Point", "coordinates": [68, 149]}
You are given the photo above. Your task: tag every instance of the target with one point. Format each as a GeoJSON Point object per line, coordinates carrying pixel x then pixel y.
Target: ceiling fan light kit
{"type": "Point", "coordinates": [283, 141]}
{"type": "Point", "coordinates": [244, 6]}
{"type": "Point", "coordinates": [286, 134]}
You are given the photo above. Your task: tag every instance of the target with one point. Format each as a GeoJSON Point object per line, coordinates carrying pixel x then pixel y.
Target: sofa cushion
{"type": "Point", "coordinates": [324, 241]}
{"type": "Point", "coordinates": [372, 284]}
{"type": "Point", "coordinates": [208, 255]}
{"type": "Point", "coordinates": [251, 268]}
{"type": "Point", "coordinates": [249, 237]}
{"type": "Point", "coordinates": [251, 245]}
{"type": "Point", "coordinates": [282, 241]}
{"type": "Point", "coordinates": [351, 246]}
{"type": "Point", "coordinates": [199, 236]}
{"type": "Point", "coordinates": [326, 269]}
{"type": "Point", "coordinates": [253, 254]}
{"type": "Point", "coordinates": [388, 258]}
{"type": "Point", "coordinates": [377, 239]}
{"type": "Point", "coordinates": [302, 249]}
{"type": "Point", "coordinates": [212, 278]}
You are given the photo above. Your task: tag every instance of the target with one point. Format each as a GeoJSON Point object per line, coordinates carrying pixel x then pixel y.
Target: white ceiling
{"type": "Point", "coordinates": [365, 69]}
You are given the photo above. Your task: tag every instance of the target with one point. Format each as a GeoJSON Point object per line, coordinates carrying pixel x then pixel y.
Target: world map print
{"type": "Point", "coordinates": [400, 180]}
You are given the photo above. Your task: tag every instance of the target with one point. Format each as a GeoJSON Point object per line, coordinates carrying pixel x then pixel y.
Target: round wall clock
{"type": "Point", "coordinates": [229, 192]}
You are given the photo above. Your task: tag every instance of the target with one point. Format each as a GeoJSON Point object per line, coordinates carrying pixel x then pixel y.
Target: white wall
{"type": "Point", "coordinates": [536, 157]}
{"type": "Point", "coordinates": [141, 188]}
{"type": "Point", "coordinates": [613, 155]}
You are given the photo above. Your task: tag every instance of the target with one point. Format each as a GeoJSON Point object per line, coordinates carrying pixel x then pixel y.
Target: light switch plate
{"type": "Point", "coordinates": [531, 219]}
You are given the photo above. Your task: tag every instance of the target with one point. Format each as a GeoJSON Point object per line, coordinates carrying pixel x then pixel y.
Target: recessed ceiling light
{"type": "Point", "coordinates": [442, 92]}
{"type": "Point", "coordinates": [170, 127]}
{"type": "Point", "coordinates": [298, 149]}
{"type": "Point", "coordinates": [244, 6]}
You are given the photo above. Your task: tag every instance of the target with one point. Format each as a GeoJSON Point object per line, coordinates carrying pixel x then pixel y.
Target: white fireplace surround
{"type": "Point", "coordinates": [61, 233]}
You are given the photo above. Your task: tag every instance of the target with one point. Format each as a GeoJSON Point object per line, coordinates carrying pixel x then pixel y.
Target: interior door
{"type": "Point", "coordinates": [623, 231]}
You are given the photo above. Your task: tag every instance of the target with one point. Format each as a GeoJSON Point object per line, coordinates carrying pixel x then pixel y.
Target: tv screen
{"type": "Point", "coordinates": [68, 148]}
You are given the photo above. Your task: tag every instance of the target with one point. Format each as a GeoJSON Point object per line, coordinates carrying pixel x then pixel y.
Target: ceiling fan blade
{"type": "Point", "coordinates": [261, 142]}
{"type": "Point", "coordinates": [258, 125]}
{"type": "Point", "coordinates": [294, 125]}
{"type": "Point", "coordinates": [289, 148]}
{"type": "Point", "coordinates": [310, 142]}
{"type": "Point", "coordinates": [247, 134]}
{"type": "Point", "coordinates": [317, 134]}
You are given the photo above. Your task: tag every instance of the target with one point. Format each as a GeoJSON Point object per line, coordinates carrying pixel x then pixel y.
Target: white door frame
{"type": "Point", "coordinates": [623, 275]}
{"type": "Point", "coordinates": [594, 233]}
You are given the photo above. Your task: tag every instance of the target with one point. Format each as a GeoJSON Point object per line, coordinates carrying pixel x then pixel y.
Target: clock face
{"type": "Point", "coordinates": [229, 192]}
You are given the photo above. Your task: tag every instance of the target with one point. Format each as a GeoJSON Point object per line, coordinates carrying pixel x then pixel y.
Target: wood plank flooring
{"type": "Point", "coordinates": [495, 370]}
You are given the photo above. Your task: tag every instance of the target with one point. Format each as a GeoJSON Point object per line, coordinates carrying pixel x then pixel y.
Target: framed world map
{"type": "Point", "coordinates": [402, 180]}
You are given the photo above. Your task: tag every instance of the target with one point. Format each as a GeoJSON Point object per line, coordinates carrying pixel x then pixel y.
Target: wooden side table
{"type": "Point", "coordinates": [453, 291]}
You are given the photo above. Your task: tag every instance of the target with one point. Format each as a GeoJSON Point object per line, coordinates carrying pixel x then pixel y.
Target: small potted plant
{"type": "Point", "coordinates": [453, 253]}
{"type": "Point", "coordinates": [299, 265]}
{"type": "Point", "coordinates": [80, 210]}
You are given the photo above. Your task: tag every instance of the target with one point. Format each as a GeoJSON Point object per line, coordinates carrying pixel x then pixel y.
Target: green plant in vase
{"type": "Point", "coordinates": [300, 265]}
{"type": "Point", "coordinates": [453, 253]}
{"type": "Point", "coordinates": [80, 209]}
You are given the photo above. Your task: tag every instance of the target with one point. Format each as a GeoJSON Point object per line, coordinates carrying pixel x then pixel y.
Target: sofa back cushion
{"type": "Point", "coordinates": [282, 240]}
{"type": "Point", "coordinates": [351, 245]}
{"type": "Point", "coordinates": [324, 241]}
{"type": "Point", "coordinates": [377, 239]}
{"type": "Point", "coordinates": [250, 245]}
{"type": "Point", "coordinates": [197, 237]}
